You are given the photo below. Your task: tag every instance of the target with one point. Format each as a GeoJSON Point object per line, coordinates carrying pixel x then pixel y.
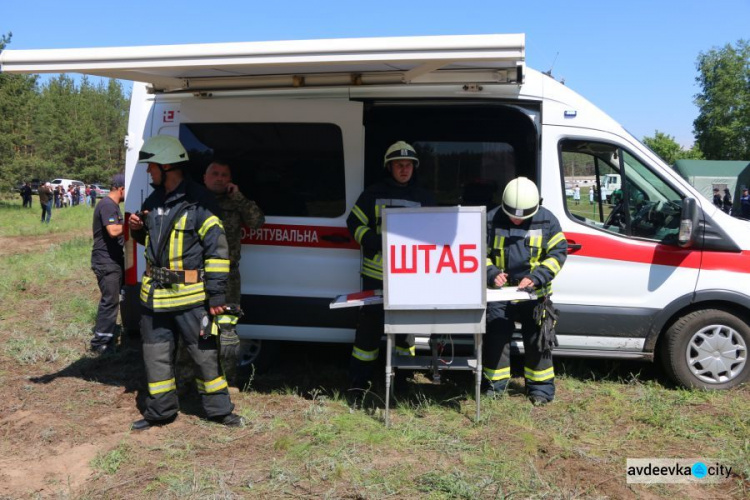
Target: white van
{"type": "Point", "coordinates": [66, 183]}
{"type": "Point", "coordinates": [305, 125]}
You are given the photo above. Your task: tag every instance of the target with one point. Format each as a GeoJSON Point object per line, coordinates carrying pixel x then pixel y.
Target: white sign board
{"type": "Point", "coordinates": [434, 258]}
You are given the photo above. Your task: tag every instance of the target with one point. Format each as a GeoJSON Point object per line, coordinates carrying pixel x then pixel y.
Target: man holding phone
{"type": "Point", "coordinates": [236, 211]}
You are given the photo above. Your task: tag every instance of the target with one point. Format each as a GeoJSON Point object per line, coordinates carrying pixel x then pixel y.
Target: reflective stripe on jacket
{"type": "Point", "coordinates": [365, 219]}
{"type": "Point", "coordinates": [536, 248]}
{"type": "Point", "coordinates": [182, 232]}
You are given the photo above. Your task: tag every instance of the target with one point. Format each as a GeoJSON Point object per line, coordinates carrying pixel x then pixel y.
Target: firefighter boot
{"type": "Point", "coordinates": [143, 424]}
{"type": "Point", "coordinates": [494, 389]}
{"type": "Point", "coordinates": [538, 400]}
{"type": "Point", "coordinates": [231, 420]}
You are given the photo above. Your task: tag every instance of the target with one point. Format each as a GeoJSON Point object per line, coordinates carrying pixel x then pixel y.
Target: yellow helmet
{"type": "Point", "coordinates": [401, 151]}
{"type": "Point", "coordinates": [163, 150]}
{"type": "Point", "coordinates": [521, 198]}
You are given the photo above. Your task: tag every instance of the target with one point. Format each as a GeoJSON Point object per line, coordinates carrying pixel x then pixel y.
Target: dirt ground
{"type": "Point", "coordinates": [14, 245]}
{"type": "Point", "coordinates": [55, 423]}
{"type": "Point", "coordinates": [63, 422]}
{"type": "Point", "coordinates": [51, 433]}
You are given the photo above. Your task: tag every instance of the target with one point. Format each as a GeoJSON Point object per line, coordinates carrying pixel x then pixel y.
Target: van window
{"type": "Point", "coordinates": [628, 198]}
{"type": "Point", "coordinates": [467, 152]}
{"type": "Point", "coordinates": [466, 173]}
{"type": "Point", "coordinates": [289, 169]}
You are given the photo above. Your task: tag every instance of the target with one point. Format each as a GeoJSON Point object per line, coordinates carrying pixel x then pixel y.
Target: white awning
{"type": "Point", "coordinates": [355, 61]}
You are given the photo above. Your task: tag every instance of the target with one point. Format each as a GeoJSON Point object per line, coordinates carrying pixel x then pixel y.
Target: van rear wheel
{"type": "Point", "coordinates": [256, 357]}
{"type": "Point", "coordinates": [707, 349]}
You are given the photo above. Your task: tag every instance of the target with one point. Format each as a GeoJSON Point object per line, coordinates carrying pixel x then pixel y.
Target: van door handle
{"type": "Point", "coordinates": [573, 246]}
{"type": "Point", "coordinates": [336, 238]}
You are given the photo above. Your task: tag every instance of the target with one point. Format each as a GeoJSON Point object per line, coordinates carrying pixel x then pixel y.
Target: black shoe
{"type": "Point", "coordinates": [538, 400]}
{"type": "Point", "coordinates": [493, 391]}
{"type": "Point", "coordinates": [143, 424]}
{"type": "Point", "coordinates": [102, 349]}
{"type": "Point", "coordinates": [231, 420]}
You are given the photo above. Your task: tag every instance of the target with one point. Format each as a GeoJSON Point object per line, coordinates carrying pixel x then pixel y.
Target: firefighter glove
{"type": "Point", "coordinates": [545, 316]}
{"type": "Point", "coordinates": [225, 327]}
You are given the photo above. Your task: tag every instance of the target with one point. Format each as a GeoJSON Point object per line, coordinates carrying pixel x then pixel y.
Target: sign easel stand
{"type": "Point", "coordinates": [472, 363]}
{"type": "Point", "coordinates": [434, 278]}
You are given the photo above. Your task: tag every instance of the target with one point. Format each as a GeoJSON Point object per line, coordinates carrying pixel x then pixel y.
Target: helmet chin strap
{"type": "Point", "coordinates": [163, 174]}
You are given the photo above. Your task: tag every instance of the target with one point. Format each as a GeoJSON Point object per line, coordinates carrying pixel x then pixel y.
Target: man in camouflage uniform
{"type": "Point", "coordinates": [236, 211]}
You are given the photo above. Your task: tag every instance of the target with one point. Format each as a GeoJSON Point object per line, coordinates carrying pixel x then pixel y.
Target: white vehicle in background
{"type": "Point", "coordinates": [612, 182]}
{"type": "Point", "coordinates": [305, 125]}
{"type": "Point", "coordinates": [101, 190]}
{"type": "Point", "coordinates": [66, 183]}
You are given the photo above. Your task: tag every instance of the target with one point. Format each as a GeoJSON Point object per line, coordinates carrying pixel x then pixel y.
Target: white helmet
{"type": "Point", "coordinates": [162, 150]}
{"type": "Point", "coordinates": [401, 151]}
{"type": "Point", "coordinates": [521, 198]}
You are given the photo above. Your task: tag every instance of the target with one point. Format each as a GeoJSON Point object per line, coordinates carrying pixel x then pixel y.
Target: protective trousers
{"type": "Point", "coordinates": [538, 370]}
{"type": "Point", "coordinates": [367, 339]}
{"type": "Point", "coordinates": [160, 332]}
{"type": "Point", "coordinates": [109, 279]}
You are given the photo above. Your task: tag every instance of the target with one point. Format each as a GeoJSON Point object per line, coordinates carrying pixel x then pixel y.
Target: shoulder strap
{"type": "Point", "coordinates": [170, 221]}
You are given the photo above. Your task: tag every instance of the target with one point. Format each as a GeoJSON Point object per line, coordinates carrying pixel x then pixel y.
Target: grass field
{"type": "Point", "coordinates": [587, 210]}
{"type": "Point", "coordinates": [64, 414]}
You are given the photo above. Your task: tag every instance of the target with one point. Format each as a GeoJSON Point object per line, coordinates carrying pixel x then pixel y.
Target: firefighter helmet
{"type": "Point", "coordinates": [521, 198]}
{"type": "Point", "coordinates": [162, 150]}
{"type": "Point", "coordinates": [400, 151]}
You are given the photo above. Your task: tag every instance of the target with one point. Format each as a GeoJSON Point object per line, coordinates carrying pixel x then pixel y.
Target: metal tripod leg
{"type": "Point", "coordinates": [434, 363]}
{"type": "Point", "coordinates": [388, 378]}
{"type": "Point", "coordinates": [478, 339]}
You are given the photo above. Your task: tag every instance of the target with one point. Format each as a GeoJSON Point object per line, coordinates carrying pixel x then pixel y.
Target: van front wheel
{"type": "Point", "coordinates": [707, 349]}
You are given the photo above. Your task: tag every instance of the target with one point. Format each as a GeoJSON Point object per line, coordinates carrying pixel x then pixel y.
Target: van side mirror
{"type": "Point", "coordinates": [688, 223]}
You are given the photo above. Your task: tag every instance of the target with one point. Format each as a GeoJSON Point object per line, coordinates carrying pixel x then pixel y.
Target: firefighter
{"type": "Point", "coordinates": [187, 264]}
{"type": "Point", "coordinates": [526, 249]}
{"type": "Point", "coordinates": [397, 189]}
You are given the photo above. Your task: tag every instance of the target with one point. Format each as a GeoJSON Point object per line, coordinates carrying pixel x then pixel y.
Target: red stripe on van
{"type": "Point", "coordinates": [285, 235]}
{"type": "Point", "coordinates": [726, 261]}
{"type": "Point", "coordinates": [603, 247]}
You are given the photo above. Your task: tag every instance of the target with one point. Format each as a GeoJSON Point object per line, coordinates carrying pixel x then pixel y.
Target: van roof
{"type": "Point", "coordinates": [330, 62]}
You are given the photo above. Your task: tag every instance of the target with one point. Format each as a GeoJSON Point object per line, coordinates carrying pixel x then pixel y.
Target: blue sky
{"type": "Point", "coordinates": [634, 59]}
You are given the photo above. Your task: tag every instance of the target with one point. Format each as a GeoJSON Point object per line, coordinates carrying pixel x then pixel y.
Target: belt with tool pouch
{"type": "Point", "coordinates": [166, 276]}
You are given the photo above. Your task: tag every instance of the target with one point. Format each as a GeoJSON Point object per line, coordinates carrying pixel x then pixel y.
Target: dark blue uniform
{"type": "Point", "coordinates": [364, 223]}
{"type": "Point", "coordinates": [535, 249]}
{"type": "Point", "coordinates": [182, 233]}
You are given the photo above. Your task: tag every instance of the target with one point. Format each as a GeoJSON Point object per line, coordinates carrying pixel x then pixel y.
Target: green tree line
{"type": "Point", "coordinates": [722, 129]}
{"type": "Point", "coordinates": [64, 128]}
{"type": "Point", "coordinates": [60, 128]}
